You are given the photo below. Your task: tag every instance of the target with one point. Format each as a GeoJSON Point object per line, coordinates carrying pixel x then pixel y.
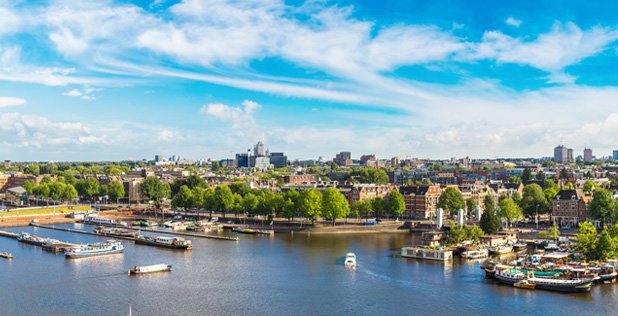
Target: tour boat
{"type": "Point", "coordinates": [6, 255]}
{"type": "Point", "coordinates": [98, 249]}
{"type": "Point", "coordinates": [35, 240]}
{"type": "Point", "coordinates": [100, 221]}
{"type": "Point", "coordinates": [508, 275]}
{"type": "Point", "coordinates": [500, 250]}
{"type": "Point", "coordinates": [150, 269]}
{"type": "Point", "coordinates": [350, 260]}
{"type": "Point", "coordinates": [475, 254]}
{"type": "Point", "coordinates": [560, 285]}
{"type": "Point", "coordinates": [163, 241]}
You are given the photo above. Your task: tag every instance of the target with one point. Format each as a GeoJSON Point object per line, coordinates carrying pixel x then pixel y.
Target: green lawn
{"type": "Point", "coordinates": [47, 210]}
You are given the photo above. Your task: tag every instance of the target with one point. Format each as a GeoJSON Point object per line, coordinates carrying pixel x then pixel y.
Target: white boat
{"type": "Point", "coordinates": [150, 269]}
{"type": "Point", "coordinates": [350, 260]}
{"type": "Point", "coordinates": [100, 221]}
{"type": "Point", "coordinates": [103, 248]}
{"type": "Point", "coordinates": [500, 250]}
{"type": "Point", "coordinates": [507, 274]}
{"type": "Point", "coordinates": [426, 253]}
{"type": "Point", "coordinates": [475, 254]}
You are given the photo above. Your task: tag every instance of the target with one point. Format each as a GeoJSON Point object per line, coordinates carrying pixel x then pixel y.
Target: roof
{"type": "Point", "coordinates": [17, 190]}
{"type": "Point", "coordinates": [414, 189]}
{"type": "Point", "coordinates": [556, 255]}
{"type": "Point", "coordinates": [569, 195]}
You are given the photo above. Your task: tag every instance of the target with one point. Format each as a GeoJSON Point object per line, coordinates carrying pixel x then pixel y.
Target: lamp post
{"type": "Point", "coordinates": [536, 216]}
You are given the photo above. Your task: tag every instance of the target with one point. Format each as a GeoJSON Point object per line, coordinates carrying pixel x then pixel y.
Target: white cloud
{"type": "Point", "coordinates": [167, 135]}
{"type": "Point", "coordinates": [11, 101]}
{"type": "Point", "coordinates": [87, 93]}
{"type": "Point", "coordinates": [513, 22]}
{"type": "Point", "coordinates": [240, 117]}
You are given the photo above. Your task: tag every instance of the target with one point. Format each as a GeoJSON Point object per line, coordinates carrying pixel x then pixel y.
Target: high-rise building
{"type": "Point", "coordinates": [563, 154]}
{"type": "Point", "coordinates": [258, 149]}
{"type": "Point", "coordinates": [615, 155]}
{"type": "Point", "coordinates": [278, 160]}
{"type": "Point", "coordinates": [365, 159]}
{"type": "Point", "coordinates": [158, 158]}
{"type": "Point", "coordinates": [587, 155]}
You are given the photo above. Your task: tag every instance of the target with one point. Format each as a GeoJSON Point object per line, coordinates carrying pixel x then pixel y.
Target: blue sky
{"type": "Point", "coordinates": [110, 80]}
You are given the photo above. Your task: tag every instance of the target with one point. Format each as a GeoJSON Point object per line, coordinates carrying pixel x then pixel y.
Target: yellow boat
{"type": "Point", "coordinates": [524, 284]}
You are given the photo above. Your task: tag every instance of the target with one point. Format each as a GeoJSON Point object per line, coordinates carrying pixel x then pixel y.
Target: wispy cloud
{"type": "Point", "coordinates": [11, 101]}
{"type": "Point", "coordinates": [87, 93]}
{"type": "Point", "coordinates": [513, 21]}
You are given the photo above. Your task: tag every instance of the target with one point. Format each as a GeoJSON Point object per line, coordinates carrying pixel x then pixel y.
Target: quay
{"type": "Point", "coordinates": [8, 234]}
{"type": "Point", "coordinates": [131, 238]}
{"type": "Point", "coordinates": [55, 247]}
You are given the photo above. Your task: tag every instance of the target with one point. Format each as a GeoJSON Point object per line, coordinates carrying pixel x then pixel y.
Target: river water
{"type": "Point", "coordinates": [282, 275]}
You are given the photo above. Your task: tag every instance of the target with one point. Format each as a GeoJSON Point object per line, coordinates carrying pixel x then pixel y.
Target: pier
{"type": "Point", "coordinates": [141, 229]}
{"type": "Point", "coordinates": [55, 247]}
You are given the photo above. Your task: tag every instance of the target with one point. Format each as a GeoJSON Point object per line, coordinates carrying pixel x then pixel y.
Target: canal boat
{"type": "Point", "coordinates": [520, 246]}
{"type": "Point", "coordinates": [500, 250]}
{"type": "Point", "coordinates": [475, 254]}
{"type": "Point", "coordinates": [115, 232]}
{"type": "Point", "coordinates": [561, 285]}
{"type": "Point", "coordinates": [100, 221]}
{"type": "Point", "coordinates": [35, 240]}
{"type": "Point", "coordinates": [6, 255]}
{"type": "Point", "coordinates": [98, 249]}
{"type": "Point", "coordinates": [524, 284]}
{"type": "Point", "coordinates": [164, 241]}
{"type": "Point", "coordinates": [508, 275]}
{"type": "Point", "coordinates": [350, 260]}
{"type": "Point", "coordinates": [150, 269]}
{"type": "Point", "coordinates": [244, 230]}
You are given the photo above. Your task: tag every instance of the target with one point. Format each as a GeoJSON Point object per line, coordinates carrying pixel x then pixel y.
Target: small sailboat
{"type": "Point", "coordinates": [350, 260]}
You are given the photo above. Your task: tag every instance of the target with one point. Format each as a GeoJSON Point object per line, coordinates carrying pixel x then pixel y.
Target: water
{"type": "Point", "coordinates": [263, 275]}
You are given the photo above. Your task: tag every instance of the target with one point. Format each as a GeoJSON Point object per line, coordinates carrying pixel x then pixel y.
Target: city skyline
{"type": "Point", "coordinates": [112, 80]}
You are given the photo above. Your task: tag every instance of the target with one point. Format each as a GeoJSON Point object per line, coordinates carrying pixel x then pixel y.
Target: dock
{"type": "Point", "coordinates": [55, 247]}
{"type": "Point", "coordinates": [140, 229]}
{"type": "Point", "coordinates": [8, 234]}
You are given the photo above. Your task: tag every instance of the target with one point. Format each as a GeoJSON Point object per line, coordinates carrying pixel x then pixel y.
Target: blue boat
{"type": "Point", "coordinates": [103, 248]}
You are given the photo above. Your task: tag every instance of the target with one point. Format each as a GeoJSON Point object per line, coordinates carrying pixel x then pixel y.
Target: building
{"type": "Point", "coordinates": [358, 192]}
{"type": "Point", "coordinates": [421, 200]}
{"type": "Point", "coordinates": [7, 164]}
{"type": "Point", "coordinates": [278, 160]}
{"type": "Point", "coordinates": [563, 154]}
{"type": "Point", "coordinates": [17, 196]}
{"type": "Point", "coordinates": [343, 158]}
{"type": "Point", "coordinates": [300, 178]}
{"type": "Point", "coordinates": [569, 207]}
{"type": "Point", "coordinates": [587, 155]}
{"type": "Point", "coordinates": [258, 149]}
{"type": "Point", "coordinates": [132, 191]}
{"type": "Point", "coordinates": [260, 162]}
{"type": "Point", "coordinates": [158, 158]}
{"type": "Point", "coordinates": [243, 160]}
{"type": "Point", "coordinates": [365, 159]}
{"type": "Point", "coordinates": [615, 155]}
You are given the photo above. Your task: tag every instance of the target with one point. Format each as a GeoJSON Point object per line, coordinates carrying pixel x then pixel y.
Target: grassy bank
{"type": "Point", "coordinates": [44, 211]}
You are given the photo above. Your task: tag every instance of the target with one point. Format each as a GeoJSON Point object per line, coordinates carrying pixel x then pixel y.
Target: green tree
{"type": "Point", "coordinates": [377, 206]}
{"type": "Point", "coordinates": [224, 198]}
{"type": "Point", "coordinates": [456, 234]}
{"type": "Point", "coordinates": [510, 211]}
{"type": "Point", "coordinates": [551, 233]}
{"type": "Point", "coordinates": [490, 203]}
{"type": "Point", "coordinates": [451, 200]}
{"type": "Point", "coordinates": [70, 193]}
{"type": "Point", "coordinates": [250, 203]}
{"type": "Point", "coordinates": [602, 206]}
{"type": "Point", "coordinates": [183, 199]}
{"type": "Point", "coordinates": [526, 175]}
{"type": "Point", "coordinates": [534, 200]}
{"type": "Point", "coordinates": [489, 223]}
{"type": "Point", "coordinates": [154, 189]}
{"type": "Point", "coordinates": [363, 208]}
{"type": "Point", "coordinates": [470, 205]}
{"type": "Point", "coordinates": [564, 173]}
{"type": "Point", "coordinates": [311, 203]}
{"type": "Point", "coordinates": [372, 175]}
{"type": "Point", "coordinates": [208, 200]}
{"type": "Point", "coordinates": [29, 186]}
{"type": "Point", "coordinates": [587, 240]}
{"type": "Point", "coordinates": [540, 176]}
{"type": "Point", "coordinates": [395, 204]}
{"type": "Point", "coordinates": [474, 233]}
{"type": "Point", "coordinates": [334, 204]}
{"type": "Point", "coordinates": [115, 190]}
{"type": "Point", "coordinates": [514, 179]}
{"type": "Point", "coordinates": [88, 187]}
{"type": "Point", "coordinates": [589, 186]}
{"type": "Point", "coordinates": [606, 248]}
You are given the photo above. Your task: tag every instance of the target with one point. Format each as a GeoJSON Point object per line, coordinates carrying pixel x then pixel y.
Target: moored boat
{"type": "Point", "coordinates": [500, 250]}
{"type": "Point", "coordinates": [561, 285]}
{"type": "Point", "coordinates": [150, 269]}
{"type": "Point", "coordinates": [98, 249]}
{"type": "Point", "coordinates": [164, 241]}
{"type": "Point", "coordinates": [508, 275]}
{"type": "Point", "coordinates": [475, 254]}
{"type": "Point", "coordinates": [115, 232]}
{"type": "Point", "coordinates": [35, 240]}
{"type": "Point", "coordinates": [524, 284]}
{"type": "Point", "coordinates": [520, 246]}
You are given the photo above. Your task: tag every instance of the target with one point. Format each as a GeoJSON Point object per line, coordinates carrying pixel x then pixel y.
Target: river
{"type": "Point", "coordinates": [282, 275]}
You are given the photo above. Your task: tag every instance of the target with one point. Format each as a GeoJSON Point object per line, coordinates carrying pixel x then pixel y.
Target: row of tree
{"type": "Point", "coordinates": [66, 188]}
{"type": "Point", "coordinates": [597, 247]}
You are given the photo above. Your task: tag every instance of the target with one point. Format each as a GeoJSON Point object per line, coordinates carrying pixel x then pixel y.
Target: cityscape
{"type": "Point", "coordinates": [221, 157]}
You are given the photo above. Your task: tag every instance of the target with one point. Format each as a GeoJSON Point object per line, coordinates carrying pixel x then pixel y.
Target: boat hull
{"type": "Point", "coordinates": [152, 243]}
{"type": "Point", "coordinates": [71, 255]}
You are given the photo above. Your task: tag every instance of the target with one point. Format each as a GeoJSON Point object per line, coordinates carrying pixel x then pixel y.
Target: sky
{"type": "Point", "coordinates": [114, 80]}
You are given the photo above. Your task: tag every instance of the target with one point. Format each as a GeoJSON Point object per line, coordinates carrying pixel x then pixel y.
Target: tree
{"type": "Point", "coordinates": [456, 234]}
{"type": "Point", "coordinates": [510, 211]}
{"type": "Point", "coordinates": [154, 189]}
{"type": "Point", "coordinates": [208, 200]}
{"type": "Point", "coordinates": [377, 206]}
{"type": "Point", "coordinates": [88, 187]}
{"type": "Point", "coordinates": [250, 203]}
{"type": "Point", "coordinates": [372, 175]}
{"type": "Point", "coordinates": [363, 208]}
{"type": "Point", "coordinates": [490, 223]}
{"type": "Point", "coordinates": [606, 248]}
{"type": "Point", "coordinates": [589, 186]}
{"type": "Point", "coordinates": [474, 233]}
{"type": "Point", "coordinates": [311, 203]}
{"type": "Point", "coordinates": [240, 188]}
{"type": "Point", "coordinates": [526, 175]}
{"type": "Point", "coordinates": [514, 179]}
{"type": "Point", "coordinates": [534, 201]}
{"type": "Point", "coordinates": [602, 206]}
{"type": "Point", "coordinates": [115, 190]}
{"type": "Point", "coordinates": [564, 173]}
{"type": "Point", "coordinates": [395, 204]}
{"type": "Point", "coordinates": [224, 198]}
{"type": "Point", "coordinates": [70, 193]}
{"type": "Point", "coordinates": [451, 200]}
{"type": "Point", "coordinates": [490, 203]}
{"type": "Point", "coordinates": [334, 204]}
{"type": "Point", "coordinates": [470, 205]}
{"type": "Point", "coordinates": [587, 239]}
{"type": "Point", "coordinates": [29, 186]}
{"type": "Point", "coordinates": [183, 199]}
{"type": "Point", "coordinates": [540, 176]}
{"type": "Point", "coordinates": [551, 233]}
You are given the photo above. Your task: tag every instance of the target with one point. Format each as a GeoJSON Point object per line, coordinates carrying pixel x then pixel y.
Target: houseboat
{"type": "Point", "coordinates": [115, 232]}
{"type": "Point", "coordinates": [475, 254]}
{"type": "Point", "coordinates": [100, 221]}
{"type": "Point", "coordinates": [500, 250]}
{"type": "Point", "coordinates": [508, 275]}
{"type": "Point", "coordinates": [163, 241]}
{"type": "Point", "coordinates": [103, 248]}
{"type": "Point", "coordinates": [561, 285]}
{"type": "Point", "coordinates": [427, 253]}
{"type": "Point", "coordinates": [35, 240]}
